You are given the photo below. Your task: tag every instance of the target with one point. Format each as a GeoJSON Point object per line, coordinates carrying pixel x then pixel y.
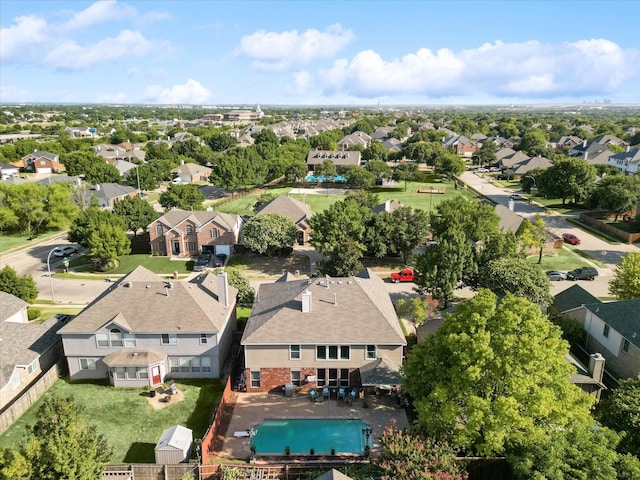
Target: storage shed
{"type": "Point", "coordinates": [174, 445]}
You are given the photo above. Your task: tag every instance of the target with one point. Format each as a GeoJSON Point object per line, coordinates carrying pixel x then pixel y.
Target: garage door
{"type": "Point", "coordinates": [226, 249]}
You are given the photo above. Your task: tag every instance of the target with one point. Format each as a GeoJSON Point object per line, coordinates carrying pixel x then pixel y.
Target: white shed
{"type": "Point", "coordinates": [174, 445]}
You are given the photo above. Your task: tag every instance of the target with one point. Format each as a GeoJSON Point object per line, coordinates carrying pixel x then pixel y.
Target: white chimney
{"type": "Point", "coordinates": [586, 154]}
{"type": "Point", "coordinates": [306, 301]}
{"type": "Point", "coordinates": [596, 366]}
{"type": "Point", "coordinates": [387, 205]}
{"type": "Point", "coordinates": [628, 148]}
{"type": "Point", "coordinates": [326, 277]}
{"type": "Point", "coordinates": [97, 187]}
{"type": "Point", "coordinates": [584, 144]}
{"type": "Point", "coordinates": [223, 289]}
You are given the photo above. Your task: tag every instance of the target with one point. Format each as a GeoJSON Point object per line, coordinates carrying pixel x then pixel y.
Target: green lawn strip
{"type": "Point", "coordinates": [562, 260]}
{"type": "Point", "coordinates": [242, 315]}
{"type": "Point", "coordinates": [157, 264]}
{"type": "Point", "coordinates": [9, 242]}
{"type": "Point", "coordinates": [556, 205]}
{"type": "Point", "coordinates": [47, 312]}
{"type": "Point", "coordinates": [123, 415]}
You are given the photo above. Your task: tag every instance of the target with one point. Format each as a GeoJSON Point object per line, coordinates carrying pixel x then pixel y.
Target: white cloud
{"type": "Point", "coordinates": [302, 83]}
{"type": "Point", "coordinates": [71, 56]}
{"type": "Point", "coordinates": [99, 12]}
{"type": "Point", "coordinates": [281, 50]}
{"type": "Point", "coordinates": [528, 69]}
{"type": "Point", "coordinates": [13, 93]}
{"type": "Point", "coordinates": [26, 33]}
{"type": "Point", "coordinates": [190, 92]}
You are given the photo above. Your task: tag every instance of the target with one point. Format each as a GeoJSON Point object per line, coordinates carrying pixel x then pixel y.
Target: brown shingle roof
{"type": "Point", "coordinates": [287, 206]}
{"type": "Point", "coordinates": [173, 218]}
{"type": "Point", "coordinates": [360, 312]}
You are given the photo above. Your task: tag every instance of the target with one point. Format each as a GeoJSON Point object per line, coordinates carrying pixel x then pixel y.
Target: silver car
{"type": "Point", "coordinates": [555, 275]}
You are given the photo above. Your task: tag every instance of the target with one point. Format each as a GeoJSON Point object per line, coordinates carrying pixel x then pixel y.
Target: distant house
{"type": "Point", "coordinates": [388, 206]}
{"type": "Point", "coordinates": [460, 145]}
{"type": "Point", "coordinates": [80, 132]}
{"type": "Point", "coordinates": [8, 171]}
{"type": "Point", "coordinates": [339, 159]}
{"type": "Point", "coordinates": [509, 221]}
{"type": "Point", "coordinates": [26, 349]}
{"type": "Point", "coordinates": [565, 142]}
{"type": "Point", "coordinates": [393, 145]}
{"type": "Point", "coordinates": [108, 194]}
{"type": "Point", "coordinates": [612, 328]}
{"type": "Point", "coordinates": [628, 161]}
{"type": "Point", "coordinates": [382, 133]}
{"type": "Point", "coordinates": [527, 165]}
{"type": "Point", "coordinates": [144, 329]}
{"type": "Point", "coordinates": [593, 153]}
{"type": "Point", "coordinates": [358, 138]}
{"type": "Point", "coordinates": [40, 162]}
{"type": "Point", "coordinates": [180, 233]}
{"type": "Point", "coordinates": [191, 172]}
{"type": "Point", "coordinates": [512, 161]}
{"type": "Point", "coordinates": [298, 212]}
{"type": "Point", "coordinates": [322, 331]}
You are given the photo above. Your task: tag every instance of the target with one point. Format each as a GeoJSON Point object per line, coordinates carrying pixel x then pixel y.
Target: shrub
{"type": "Point", "coordinates": [33, 313]}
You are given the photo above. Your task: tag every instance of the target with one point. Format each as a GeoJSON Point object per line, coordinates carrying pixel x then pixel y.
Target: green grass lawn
{"type": "Point", "coordinates": [157, 264]}
{"type": "Point", "coordinates": [562, 260]}
{"type": "Point", "coordinates": [132, 428]}
{"type": "Point", "coordinates": [556, 204]}
{"type": "Point", "coordinates": [8, 242]}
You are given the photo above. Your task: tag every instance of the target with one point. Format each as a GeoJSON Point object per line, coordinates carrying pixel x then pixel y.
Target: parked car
{"type": "Point", "coordinates": [571, 238]}
{"type": "Point", "coordinates": [482, 170]}
{"type": "Point", "coordinates": [201, 263]}
{"type": "Point", "coordinates": [65, 250]}
{"type": "Point", "coordinates": [405, 275]}
{"type": "Point", "coordinates": [219, 260]}
{"type": "Point", "coordinates": [515, 196]}
{"type": "Point", "coordinates": [504, 176]}
{"type": "Point", "coordinates": [555, 275]}
{"type": "Point", "coordinates": [177, 181]}
{"type": "Point", "coordinates": [494, 169]}
{"type": "Point", "coordinates": [582, 273]}
{"type": "Point", "coordinates": [63, 318]}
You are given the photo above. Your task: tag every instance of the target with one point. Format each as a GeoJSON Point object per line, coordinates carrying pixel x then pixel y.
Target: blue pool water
{"type": "Point", "coordinates": [321, 178]}
{"type": "Point", "coordinates": [301, 435]}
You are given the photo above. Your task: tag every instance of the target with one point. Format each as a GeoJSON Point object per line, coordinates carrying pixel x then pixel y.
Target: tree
{"type": "Point", "coordinates": [239, 168]}
{"type": "Point", "coordinates": [626, 283]}
{"type": "Point", "coordinates": [22, 287]}
{"type": "Point", "coordinates": [533, 234]}
{"type": "Point", "coordinates": [358, 177]}
{"type": "Point", "coordinates": [405, 172]}
{"type": "Point", "coordinates": [344, 259]}
{"type": "Point", "coordinates": [60, 445]}
{"type": "Point", "coordinates": [379, 168]}
{"type": "Point", "coordinates": [326, 169]}
{"type": "Point", "coordinates": [406, 456]}
{"type": "Point", "coordinates": [568, 178]}
{"type": "Point", "coordinates": [266, 135]}
{"type": "Point", "coordinates": [375, 151]}
{"type": "Point", "coordinates": [449, 164]}
{"type": "Point", "coordinates": [342, 220]}
{"type": "Point", "coordinates": [185, 197]}
{"type": "Point", "coordinates": [269, 233]}
{"type": "Point", "coordinates": [136, 213]}
{"type": "Point", "coordinates": [89, 220]}
{"type": "Point", "coordinates": [534, 142]}
{"type": "Point", "coordinates": [101, 172]}
{"type": "Point", "coordinates": [518, 277]}
{"type": "Point", "coordinates": [494, 378]}
{"type": "Point", "coordinates": [107, 242]}
{"type": "Point", "coordinates": [477, 220]}
{"type": "Point", "coordinates": [487, 153]}
{"type": "Point", "coordinates": [219, 142]}
{"type": "Point", "coordinates": [414, 309]}
{"type": "Point", "coordinates": [616, 193]}
{"type": "Point", "coordinates": [494, 247]}
{"type": "Point", "coordinates": [621, 412]}
{"type": "Point", "coordinates": [410, 228]}
{"type": "Point", "coordinates": [238, 280]}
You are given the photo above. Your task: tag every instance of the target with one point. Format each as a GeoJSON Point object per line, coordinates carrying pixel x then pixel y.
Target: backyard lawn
{"type": "Point", "coordinates": [132, 428]}
{"type": "Point", "coordinates": [562, 260]}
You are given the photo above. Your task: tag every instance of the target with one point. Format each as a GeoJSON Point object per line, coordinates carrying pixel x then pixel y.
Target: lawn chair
{"type": "Point", "coordinates": [341, 393]}
{"type": "Point", "coordinates": [314, 395]}
{"type": "Point", "coordinates": [353, 394]}
{"type": "Point", "coordinates": [325, 392]}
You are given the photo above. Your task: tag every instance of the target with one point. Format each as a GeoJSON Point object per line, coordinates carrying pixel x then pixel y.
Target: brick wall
{"type": "Point", "coordinates": [625, 365]}
{"type": "Point", "coordinates": [274, 379]}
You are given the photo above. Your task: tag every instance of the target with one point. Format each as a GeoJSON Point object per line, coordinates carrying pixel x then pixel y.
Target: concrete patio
{"type": "Point", "coordinates": [252, 408]}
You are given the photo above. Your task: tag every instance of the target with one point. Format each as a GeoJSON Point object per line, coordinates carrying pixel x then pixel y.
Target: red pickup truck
{"type": "Point", "coordinates": [405, 275]}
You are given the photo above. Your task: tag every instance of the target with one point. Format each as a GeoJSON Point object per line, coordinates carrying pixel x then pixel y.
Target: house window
{"type": "Point", "coordinates": [333, 352]}
{"type": "Point", "coordinates": [294, 352]}
{"type": "Point", "coordinates": [162, 246]}
{"type": "Point", "coordinates": [205, 362]}
{"type": "Point", "coordinates": [190, 364]}
{"type": "Point", "coordinates": [87, 364]}
{"type": "Point", "coordinates": [203, 339]}
{"type": "Point", "coordinates": [115, 337]}
{"type": "Point", "coordinates": [605, 331]}
{"type": "Point", "coordinates": [255, 379]}
{"type": "Point", "coordinates": [169, 339]}
{"type": "Point", "coordinates": [344, 377]}
{"type": "Point", "coordinates": [33, 366]}
{"type": "Point", "coordinates": [189, 229]}
{"type": "Point", "coordinates": [371, 352]}
{"type": "Point", "coordinates": [159, 229]}
{"type": "Point", "coordinates": [132, 373]}
{"type": "Point", "coordinates": [185, 364]}
{"type": "Point", "coordinates": [195, 364]}
{"type": "Point", "coordinates": [214, 233]}
{"type": "Point", "coordinates": [191, 246]}
{"type": "Point", "coordinates": [321, 377]}
{"type": "Point", "coordinates": [120, 373]}
{"type": "Point", "coordinates": [142, 373]}
{"type": "Point", "coordinates": [130, 340]}
{"type": "Point", "coordinates": [333, 377]}
{"type": "Point", "coordinates": [102, 339]}
{"type": "Point", "coordinates": [295, 377]}
{"type": "Point", "coordinates": [625, 346]}
{"type": "Point", "coordinates": [174, 364]}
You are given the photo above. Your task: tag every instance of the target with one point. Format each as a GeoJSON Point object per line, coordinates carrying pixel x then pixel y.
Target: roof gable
{"type": "Point", "coordinates": [573, 297]}
{"type": "Point", "coordinates": [623, 317]}
{"type": "Point", "coordinates": [287, 206]}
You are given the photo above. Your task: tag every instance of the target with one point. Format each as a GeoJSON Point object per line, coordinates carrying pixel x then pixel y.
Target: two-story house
{"type": "Point", "coordinates": [339, 159]}
{"type": "Point", "coordinates": [628, 161]}
{"type": "Point", "coordinates": [322, 331]}
{"type": "Point", "coordinates": [185, 233]}
{"type": "Point", "coordinates": [40, 162]}
{"type": "Point", "coordinates": [298, 212]}
{"type": "Point", "coordinates": [144, 329]}
{"type": "Point", "coordinates": [108, 194]}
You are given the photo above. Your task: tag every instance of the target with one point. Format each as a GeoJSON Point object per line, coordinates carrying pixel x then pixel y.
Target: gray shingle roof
{"type": "Point", "coordinates": [9, 305]}
{"type": "Point", "coordinates": [623, 317]}
{"type": "Point", "coordinates": [175, 217]}
{"type": "Point", "coordinates": [191, 169]}
{"type": "Point", "coordinates": [22, 343]}
{"type": "Point", "coordinates": [287, 206]}
{"type": "Point", "coordinates": [148, 307]}
{"type": "Point", "coordinates": [573, 297]}
{"type": "Point", "coordinates": [316, 157]}
{"type": "Point", "coordinates": [112, 190]}
{"type": "Point", "coordinates": [362, 313]}
{"type": "Point", "coordinates": [509, 221]}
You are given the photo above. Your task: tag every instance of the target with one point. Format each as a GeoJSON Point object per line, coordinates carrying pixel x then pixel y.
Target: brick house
{"type": "Point", "coordinates": [40, 162]}
{"type": "Point", "coordinates": [183, 233]}
{"type": "Point", "coordinates": [298, 212]}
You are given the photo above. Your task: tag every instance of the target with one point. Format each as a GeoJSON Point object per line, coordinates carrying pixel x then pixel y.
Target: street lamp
{"type": "Point", "coordinates": [53, 298]}
{"type": "Point", "coordinates": [138, 178]}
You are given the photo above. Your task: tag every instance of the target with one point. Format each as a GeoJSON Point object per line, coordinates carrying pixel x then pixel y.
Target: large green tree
{"type": "Point", "coordinates": [410, 228]}
{"type": "Point", "coordinates": [626, 283]}
{"type": "Point", "coordinates": [269, 233]}
{"type": "Point", "coordinates": [22, 287]}
{"type": "Point", "coordinates": [534, 142]}
{"type": "Point", "coordinates": [518, 277]}
{"type": "Point", "coordinates": [107, 242]}
{"type": "Point", "coordinates": [568, 178]}
{"type": "Point", "coordinates": [616, 193]}
{"type": "Point", "coordinates": [405, 172]}
{"type": "Point", "coordinates": [343, 260]}
{"type": "Point", "coordinates": [494, 378]}
{"type": "Point", "coordinates": [620, 410]}
{"type": "Point", "coordinates": [185, 197]}
{"type": "Point", "coordinates": [89, 220]}
{"type": "Point", "coordinates": [136, 213]}
{"type": "Point", "coordinates": [60, 445]}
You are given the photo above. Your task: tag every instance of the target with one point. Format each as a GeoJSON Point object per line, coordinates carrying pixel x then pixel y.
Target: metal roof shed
{"type": "Point", "coordinates": [174, 445]}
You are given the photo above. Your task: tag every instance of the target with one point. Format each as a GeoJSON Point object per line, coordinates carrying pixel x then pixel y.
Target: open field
{"type": "Point", "coordinates": [123, 415]}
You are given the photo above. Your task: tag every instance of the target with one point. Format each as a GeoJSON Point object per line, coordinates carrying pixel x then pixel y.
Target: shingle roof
{"type": "Point", "coordinates": [112, 190]}
{"type": "Point", "coordinates": [22, 343]}
{"type": "Point", "coordinates": [147, 306]}
{"type": "Point", "coordinates": [573, 297]}
{"type": "Point", "coordinates": [191, 169]}
{"type": "Point", "coordinates": [623, 317]}
{"type": "Point", "coordinates": [316, 157]}
{"type": "Point", "coordinates": [388, 206]}
{"type": "Point", "coordinates": [351, 310]}
{"type": "Point", "coordinates": [174, 217]}
{"type": "Point", "coordinates": [287, 206]}
{"type": "Point", "coordinates": [333, 474]}
{"type": "Point", "coordinates": [534, 162]}
{"type": "Point", "coordinates": [10, 305]}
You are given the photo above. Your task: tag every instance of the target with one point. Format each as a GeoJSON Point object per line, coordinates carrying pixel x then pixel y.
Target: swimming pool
{"type": "Point", "coordinates": [271, 437]}
{"type": "Point", "coordinates": [322, 178]}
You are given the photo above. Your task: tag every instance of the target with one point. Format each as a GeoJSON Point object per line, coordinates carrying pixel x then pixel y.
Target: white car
{"type": "Point", "coordinates": [515, 196]}
{"type": "Point", "coordinates": [494, 169]}
{"type": "Point", "coordinates": [65, 250]}
{"type": "Point", "coordinates": [176, 181]}
{"type": "Point", "coordinates": [483, 170]}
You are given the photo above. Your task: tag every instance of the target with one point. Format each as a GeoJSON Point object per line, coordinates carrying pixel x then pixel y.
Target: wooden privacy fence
{"type": "Point", "coordinates": [151, 471]}
{"type": "Point", "coordinates": [215, 430]}
{"type": "Point", "coordinates": [22, 403]}
{"type": "Point", "coordinates": [595, 220]}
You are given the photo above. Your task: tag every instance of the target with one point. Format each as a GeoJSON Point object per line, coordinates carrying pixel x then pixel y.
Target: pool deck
{"type": "Point", "coordinates": [252, 408]}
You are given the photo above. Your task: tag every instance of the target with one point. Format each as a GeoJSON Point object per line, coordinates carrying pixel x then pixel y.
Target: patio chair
{"type": "Point", "coordinates": [353, 394]}
{"type": "Point", "coordinates": [341, 393]}
{"type": "Point", "coordinates": [314, 395]}
{"type": "Point", "coordinates": [325, 392]}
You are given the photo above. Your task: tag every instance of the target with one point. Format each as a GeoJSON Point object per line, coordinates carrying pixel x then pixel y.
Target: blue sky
{"type": "Point", "coordinates": [319, 53]}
